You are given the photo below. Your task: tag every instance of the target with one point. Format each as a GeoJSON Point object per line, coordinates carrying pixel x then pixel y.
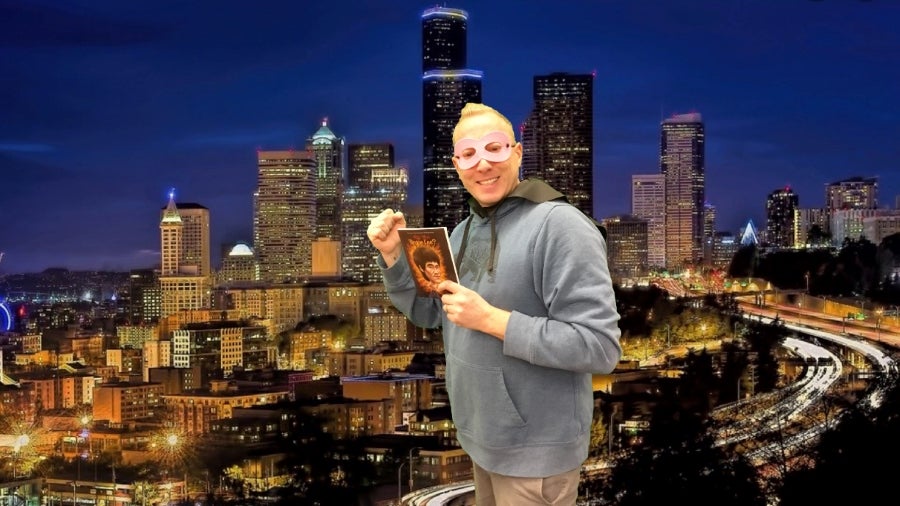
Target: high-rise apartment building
{"type": "Point", "coordinates": [374, 184]}
{"type": "Point", "coordinates": [560, 136]}
{"type": "Point", "coordinates": [284, 214]}
{"type": "Point", "coordinates": [853, 193]}
{"type": "Point", "coordinates": [781, 207]}
{"type": "Point", "coordinates": [329, 152]}
{"type": "Point", "coordinates": [447, 85]}
{"type": "Point", "coordinates": [811, 228]}
{"type": "Point", "coordinates": [648, 202]}
{"type": "Point", "coordinates": [682, 162]}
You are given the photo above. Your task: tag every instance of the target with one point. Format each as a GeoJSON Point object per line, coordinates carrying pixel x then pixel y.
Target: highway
{"type": "Point", "coordinates": [763, 414]}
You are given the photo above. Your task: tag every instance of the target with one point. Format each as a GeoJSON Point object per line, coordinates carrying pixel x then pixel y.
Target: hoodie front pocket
{"type": "Point", "coordinates": [482, 407]}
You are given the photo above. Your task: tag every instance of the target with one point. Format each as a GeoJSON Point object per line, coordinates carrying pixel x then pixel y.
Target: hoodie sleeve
{"type": "Point", "coordinates": [421, 311]}
{"type": "Point", "coordinates": [580, 331]}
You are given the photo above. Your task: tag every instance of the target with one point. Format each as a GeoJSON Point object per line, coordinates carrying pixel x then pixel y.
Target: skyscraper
{"type": "Point", "coordinates": [682, 162]}
{"type": "Point", "coordinates": [171, 233]}
{"type": "Point", "coordinates": [447, 85]}
{"type": "Point", "coordinates": [284, 214]}
{"type": "Point", "coordinates": [195, 253]}
{"type": "Point", "coordinates": [181, 284]}
{"type": "Point", "coordinates": [781, 206]}
{"type": "Point", "coordinates": [648, 201]}
{"type": "Point", "coordinates": [374, 183]}
{"type": "Point", "coordinates": [329, 151]}
{"type": "Point", "coordinates": [560, 134]}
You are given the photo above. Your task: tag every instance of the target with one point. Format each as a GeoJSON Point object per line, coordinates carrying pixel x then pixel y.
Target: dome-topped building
{"type": "Point", "coordinates": [238, 265]}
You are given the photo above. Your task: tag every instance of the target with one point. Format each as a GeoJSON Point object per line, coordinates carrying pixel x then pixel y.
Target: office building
{"type": "Point", "coordinates": [329, 153]}
{"type": "Point", "coordinates": [648, 202]}
{"type": "Point", "coordinates": [374, 184]}
{"type": "Point", "coordinates": [626, 245]}
{"type": "Point", "coordinates": [195, 253]}
{"type": "Point", "coordinates": [848, 224]}
{"type": "Point", "coordinates": [682, 162]}
{"type": "Point", "coordinates": [144, 298]}
{"type": "Point", "coordinates": [238, 264]}
{"type": "Point", "coordinates": [560, 136]}
{"type": "Point", "coordinates": [284, 214]}
{"type": "Point", "coordinates": [182, 285]}
{"type": "Point", "coordinates": [447, 85]}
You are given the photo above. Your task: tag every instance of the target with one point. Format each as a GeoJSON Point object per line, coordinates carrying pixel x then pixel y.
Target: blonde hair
{"type": "Point", "coordinates": [473, 109]}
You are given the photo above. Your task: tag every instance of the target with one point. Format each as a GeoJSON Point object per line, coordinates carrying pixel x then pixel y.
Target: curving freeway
{"type": "Point", "coordinates": [765, 414]}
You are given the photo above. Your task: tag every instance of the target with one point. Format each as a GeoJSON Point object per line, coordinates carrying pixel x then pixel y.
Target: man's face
{"type": "Point", "coordinates": [488, 182]}
{"type": "Point", "coordinates": [433, 272]}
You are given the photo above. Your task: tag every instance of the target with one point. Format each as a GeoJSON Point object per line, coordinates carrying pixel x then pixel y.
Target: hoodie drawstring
{"type": "Point", "coordinates": [465, 241]}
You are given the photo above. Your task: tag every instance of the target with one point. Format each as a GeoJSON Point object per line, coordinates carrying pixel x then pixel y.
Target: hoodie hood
{"type": "Point", "coordinates": [532, 190]}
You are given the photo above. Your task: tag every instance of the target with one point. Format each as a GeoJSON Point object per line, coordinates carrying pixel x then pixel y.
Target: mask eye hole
{"type": "Point", "coordinates": [467, 153]}
{"type": "Point", "coordinates": [495, 147]}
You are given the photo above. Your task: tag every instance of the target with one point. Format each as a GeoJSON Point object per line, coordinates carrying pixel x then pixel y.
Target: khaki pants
{"type": "Point", "coordinates": [493, 489]}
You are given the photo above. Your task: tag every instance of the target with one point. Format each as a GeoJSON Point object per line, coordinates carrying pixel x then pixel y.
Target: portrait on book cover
{"type": "Point", "coordinates": [430, 262]}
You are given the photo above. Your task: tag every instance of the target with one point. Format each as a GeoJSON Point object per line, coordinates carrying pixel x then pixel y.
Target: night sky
{"type": "Point", "coordinates": [106, 105]}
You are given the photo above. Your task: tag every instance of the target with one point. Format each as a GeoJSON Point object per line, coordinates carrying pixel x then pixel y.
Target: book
{"type": "Point", "coordinates": [427, 250]}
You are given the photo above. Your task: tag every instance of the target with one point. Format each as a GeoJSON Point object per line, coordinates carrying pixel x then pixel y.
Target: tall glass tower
{"type": "Point", "coordinates": [781, 207]}
{"type": "Point", "coordinates": [373, 183]}
{"type": "Point", "coordinates": [329, 151]}
{"type": "Point", "coordinates": [558, 137]}
{"type": "Point", "coordinates": [284, 214]}
{"type": "Point", "coordinates": [682, 161]}
{"type": "Point", "coordinates": [447, 85]}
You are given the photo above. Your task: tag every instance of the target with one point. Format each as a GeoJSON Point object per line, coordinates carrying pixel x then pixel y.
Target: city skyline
{"type": "Point", "coordinates": [111, 105]}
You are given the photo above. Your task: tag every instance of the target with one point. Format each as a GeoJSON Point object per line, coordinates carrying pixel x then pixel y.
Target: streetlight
{"type": "Point", "coordinates": [411, 450]}
{"type": "Point", "coordinates": [400, 483]}
{"type": "Point", "coordinates": [400, 474]}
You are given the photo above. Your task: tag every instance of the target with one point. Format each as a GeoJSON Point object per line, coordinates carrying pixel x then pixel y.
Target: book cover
{"type": "Point", "coordinates": [427, 250]}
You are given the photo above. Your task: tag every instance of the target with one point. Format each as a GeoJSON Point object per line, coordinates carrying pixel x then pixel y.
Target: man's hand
{"type": "Point", "coordinates": [467, 309]}
{"type": "Point", "coordinates": [382, 232]}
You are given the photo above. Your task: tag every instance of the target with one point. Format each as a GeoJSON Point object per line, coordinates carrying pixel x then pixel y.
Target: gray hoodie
{"type": "Point", "coordinates": [523, 406]}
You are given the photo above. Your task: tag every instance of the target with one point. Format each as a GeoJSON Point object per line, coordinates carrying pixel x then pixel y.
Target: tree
{"type": "Point", "coordinates": [848, 465]}
{"type": "Point", "coordinates": [677, 463]}
{"type": "Point", "coordinates": [323, 470]}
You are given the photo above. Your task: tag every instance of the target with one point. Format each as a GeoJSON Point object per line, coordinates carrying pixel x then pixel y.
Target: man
{"type": "Point", "coordinates": [531, 319]}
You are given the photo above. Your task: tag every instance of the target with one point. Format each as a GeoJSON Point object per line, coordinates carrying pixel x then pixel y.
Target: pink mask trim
{"type": "Point", "coordinates": [466, 159]}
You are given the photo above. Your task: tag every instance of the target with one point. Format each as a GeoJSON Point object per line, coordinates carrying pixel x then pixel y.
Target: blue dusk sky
{"type": "Point", "coordinates": [107, 104]}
